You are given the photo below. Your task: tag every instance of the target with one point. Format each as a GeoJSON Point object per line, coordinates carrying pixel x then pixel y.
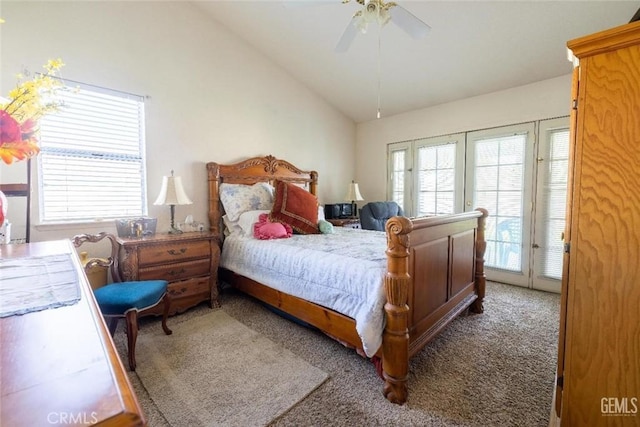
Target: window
{"type": "Point", "coordinates": [498, 185]}
{"type": "Point", "coordinates": [553, 202]}
{"type": "Point", "coordinates": [436, 179]}
{"type": "Point", "coordinates": [398, 174]}
{"type": "Point", "coordinates": [436, 187]}
{"type": "Point", "coordinates": [92, 163]}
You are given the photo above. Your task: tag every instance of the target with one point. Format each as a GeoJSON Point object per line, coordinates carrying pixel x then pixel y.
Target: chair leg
{"type": "Point", "coordinates": [132, 336]}
{"type": "Point", "coordinates": [112, 324]}
{"type": "Point", "coordinates": [167, 306]}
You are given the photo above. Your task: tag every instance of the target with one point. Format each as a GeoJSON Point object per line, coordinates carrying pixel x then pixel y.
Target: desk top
{"type": "Point", "coordinates": [60, 366]}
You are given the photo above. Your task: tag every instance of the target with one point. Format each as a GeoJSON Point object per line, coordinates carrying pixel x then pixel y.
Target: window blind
{"type": "Point", "coordinates": [92, 163]}
{"type": "Point", "coordinates": [554, 202]}
{"type": "Point", "coordinates": [436, 179]}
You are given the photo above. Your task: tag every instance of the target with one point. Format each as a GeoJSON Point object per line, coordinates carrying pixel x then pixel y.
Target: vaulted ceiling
{"type": "Point", "coordinates": [474, 47]}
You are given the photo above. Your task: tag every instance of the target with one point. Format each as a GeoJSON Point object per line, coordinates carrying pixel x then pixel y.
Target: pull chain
{"type": "Point", "coordinates": [379, 66]}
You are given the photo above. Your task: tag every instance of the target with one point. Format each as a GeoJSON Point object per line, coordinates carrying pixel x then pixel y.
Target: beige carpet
{"type": "Point", "coordinates": [496, 369]}
{"type": "Point", "coordinates": [215, 371]}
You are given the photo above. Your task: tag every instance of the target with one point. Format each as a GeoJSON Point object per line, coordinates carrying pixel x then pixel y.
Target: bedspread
{"type": "Point", "coordinates": [342, 271]}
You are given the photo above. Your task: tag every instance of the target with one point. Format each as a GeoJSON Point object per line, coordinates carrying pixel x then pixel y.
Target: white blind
{"type": "Point", "coordinates": [398, 167]}
{"type": "Point", "coordinates": [554, 202]}
{"type": "Point", "coordinates": [92, 163]}
{"type": "Point", "coordinates": [436, 179]}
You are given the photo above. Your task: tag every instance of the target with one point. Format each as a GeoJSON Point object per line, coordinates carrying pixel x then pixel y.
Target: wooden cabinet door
{"type": "Point", "coordinates": [602, 349]}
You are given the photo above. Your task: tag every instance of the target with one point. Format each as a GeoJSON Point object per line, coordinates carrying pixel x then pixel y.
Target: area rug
{"type": "Point", "coordinates": [215, 371]}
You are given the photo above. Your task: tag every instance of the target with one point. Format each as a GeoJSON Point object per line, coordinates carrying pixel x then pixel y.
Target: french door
{"type": "Point", "coordinates": [552, 170]}
{"type": "Point", "coordinates": [499, 179]}
{"type": "Point", "coordinates": [518, 173]}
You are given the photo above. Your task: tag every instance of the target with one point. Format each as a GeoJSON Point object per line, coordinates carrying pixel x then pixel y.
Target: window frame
{"type": "Point", "coordinates": [51, 147]}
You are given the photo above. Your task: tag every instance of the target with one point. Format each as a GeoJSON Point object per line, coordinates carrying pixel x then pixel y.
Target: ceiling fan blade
{"type": "Point", "coordinates": [347, 37]}
{"type": "Point", "coordinates": [408, 22]}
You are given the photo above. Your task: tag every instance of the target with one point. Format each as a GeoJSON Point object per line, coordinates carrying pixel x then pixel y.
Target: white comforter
{"type": "Point", "coordinates": [343, 271]}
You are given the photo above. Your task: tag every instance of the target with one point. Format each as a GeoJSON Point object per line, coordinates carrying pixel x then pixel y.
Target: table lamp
{"type": "Point", "coordinates": [172, 194]}
{"type": "Point", "coordinates": [353, 195]}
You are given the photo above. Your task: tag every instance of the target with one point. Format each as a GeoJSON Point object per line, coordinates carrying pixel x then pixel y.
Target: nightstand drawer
{"type": "Point", "coordinates": [185, 288]}
{"type": "Point", "coordinates": [177, 271]}
{"type": "Point", "coordinates": [159, 254]}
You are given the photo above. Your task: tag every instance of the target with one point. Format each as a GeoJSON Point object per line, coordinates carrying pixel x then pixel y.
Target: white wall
{"type": "Point", "coordinates": [541, 100]}
{"type": "Point", "coordinates": [212, 97]}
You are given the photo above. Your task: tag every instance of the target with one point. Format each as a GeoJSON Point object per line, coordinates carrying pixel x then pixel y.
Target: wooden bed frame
{"type": "Point", "coordinates": [435, 271]}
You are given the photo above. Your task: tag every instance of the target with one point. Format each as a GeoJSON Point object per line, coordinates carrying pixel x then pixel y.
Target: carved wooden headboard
{"type": "Point", "coordinates": [256, 169]}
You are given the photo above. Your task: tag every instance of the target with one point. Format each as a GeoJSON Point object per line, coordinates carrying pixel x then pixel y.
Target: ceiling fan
{"type": "Point", "coordinates": [377, 11]}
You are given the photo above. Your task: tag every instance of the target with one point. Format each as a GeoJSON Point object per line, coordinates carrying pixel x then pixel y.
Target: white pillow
{"type": "Point", "coordinates": [248, 219]}
{"type": "Point", "coordinates": [239, 198]}
{"type": "Point", "coordinates": [230, 227]}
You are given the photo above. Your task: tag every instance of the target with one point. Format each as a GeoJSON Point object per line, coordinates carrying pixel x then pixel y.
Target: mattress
{"type": "Point", "coordinates": [343, 271]}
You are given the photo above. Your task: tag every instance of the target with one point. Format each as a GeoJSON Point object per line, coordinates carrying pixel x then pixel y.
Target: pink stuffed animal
{"type": "Point", "coordinates": [265, 229]}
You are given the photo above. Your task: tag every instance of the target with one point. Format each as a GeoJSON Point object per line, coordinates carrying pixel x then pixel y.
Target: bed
{"type": "Point", "coordinates": [433, 270]}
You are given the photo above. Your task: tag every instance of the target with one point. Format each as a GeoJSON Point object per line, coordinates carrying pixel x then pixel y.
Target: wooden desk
{"type": "Point", "coordinates": [59, 366]}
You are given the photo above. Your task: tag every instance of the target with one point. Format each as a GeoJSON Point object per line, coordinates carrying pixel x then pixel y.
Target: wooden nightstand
{"type": "Point", "coordinates": [189, 261]}
{"type": "Point", "coordinates": [345, 222]}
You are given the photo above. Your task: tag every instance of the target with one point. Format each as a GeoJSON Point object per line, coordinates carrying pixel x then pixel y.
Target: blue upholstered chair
{"type": "Point", "coordinates": [125, 299]}
{"type": "Point", "coordinates": [374, 215]}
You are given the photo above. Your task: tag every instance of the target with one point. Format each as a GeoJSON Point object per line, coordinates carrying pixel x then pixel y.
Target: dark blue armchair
{"type": "Point", "coordinates": [374, 215]}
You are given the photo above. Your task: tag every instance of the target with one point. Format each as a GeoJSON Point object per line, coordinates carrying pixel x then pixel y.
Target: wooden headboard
{"type": "Point", "coordinates": [256, 169]}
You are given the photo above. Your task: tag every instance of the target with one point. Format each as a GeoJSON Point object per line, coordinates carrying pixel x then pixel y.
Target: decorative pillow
{"type": "Point", "coordinates": [248, 219]}
{"type": "Point", "coordinates": [239, 198]}
{"type": "Point", "coordinates": [264, 229]}
{"type": "Point", "coordinates": [325, 227]}
{"type": "Point", "coordinates": [295, 206]}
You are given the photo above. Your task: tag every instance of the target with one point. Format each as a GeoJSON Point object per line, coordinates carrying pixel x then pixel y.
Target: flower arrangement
{"type": "Point", "coordinates": [19, 115]}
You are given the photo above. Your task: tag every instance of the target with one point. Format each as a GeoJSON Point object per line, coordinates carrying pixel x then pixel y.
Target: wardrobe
{"type": "Point", "coordinates": [598, 377]}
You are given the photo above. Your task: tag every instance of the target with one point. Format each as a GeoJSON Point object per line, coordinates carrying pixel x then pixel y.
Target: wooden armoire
{"type": "Point", "coordinates": [599, 341]}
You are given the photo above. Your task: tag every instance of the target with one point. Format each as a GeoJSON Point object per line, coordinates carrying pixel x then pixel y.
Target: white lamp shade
{"type": "Point", "coordinates": [353, 193]}
{"type": "Point", "coordinates": [172, 192]}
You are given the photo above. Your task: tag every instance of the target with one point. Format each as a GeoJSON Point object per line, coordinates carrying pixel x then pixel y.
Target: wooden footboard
{"type": "Point", "coordinates": [435, 270]}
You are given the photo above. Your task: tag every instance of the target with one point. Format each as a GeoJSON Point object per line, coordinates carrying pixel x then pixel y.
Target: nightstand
{"type": "Point", "coordinates": [345, 222]}
{"type": "Point", "coordinates": [189, 261]}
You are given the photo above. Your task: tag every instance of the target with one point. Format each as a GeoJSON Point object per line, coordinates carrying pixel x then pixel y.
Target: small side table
{"type": "Point", "coordinates": [345, 222]}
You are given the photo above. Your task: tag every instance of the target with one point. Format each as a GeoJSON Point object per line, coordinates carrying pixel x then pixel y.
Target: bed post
{"type": "Point", "coordinates": [213, 178]}
{"type": "Point", "coordinates": [481, 278]}
{"type": "Point", "coordinates": [395, 340]}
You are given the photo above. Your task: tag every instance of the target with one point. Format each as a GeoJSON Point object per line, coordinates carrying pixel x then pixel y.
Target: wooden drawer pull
{"type": "Point", "coordinates": [174, 252]}
{"type": "Point", "coordinates": [177, 273]}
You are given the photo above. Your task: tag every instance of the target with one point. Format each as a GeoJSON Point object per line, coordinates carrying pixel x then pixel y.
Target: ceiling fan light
{"type": "Point", "coordinates": [361, 24]}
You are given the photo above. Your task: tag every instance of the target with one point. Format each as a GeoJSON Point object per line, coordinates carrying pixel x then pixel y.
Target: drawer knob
{"type": "Point", "coordinates": [178, 272]}
{"type": "Point", "coordinates": [178, 252]}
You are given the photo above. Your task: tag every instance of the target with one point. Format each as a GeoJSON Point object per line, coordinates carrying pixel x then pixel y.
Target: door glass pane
{"type": "Point", "coordinates": [554, 202]}
{"type": "Point", "coordinates": [398, 159]}
{"type": "Point", "coordinates": [499, 186]}
{"type": "Point", "coordinates": [436, 179]}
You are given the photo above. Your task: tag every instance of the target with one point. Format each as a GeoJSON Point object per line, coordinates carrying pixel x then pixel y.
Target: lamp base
{"type": "Point", "coordinates": [173, 229]}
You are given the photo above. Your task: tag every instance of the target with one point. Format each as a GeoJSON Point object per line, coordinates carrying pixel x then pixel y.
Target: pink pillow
{"type": "Point", "coordinates": [264, 229]}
